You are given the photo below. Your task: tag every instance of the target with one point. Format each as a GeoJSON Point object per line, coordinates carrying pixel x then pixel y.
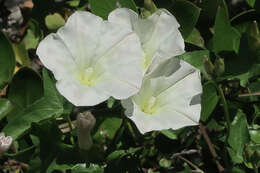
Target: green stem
{"type": "Point", "coordinates": [20, 152]}
{"type": "Point", "coordinates": [255, 169]}
{"type": "Point", "coordinates": [65, 146]}
{"type": "Point", "coordinates": [131, 130]}
{"type": "Point", "coordinates": [225, 106]}
{"type": "Point", "coordinates": [71, 128]}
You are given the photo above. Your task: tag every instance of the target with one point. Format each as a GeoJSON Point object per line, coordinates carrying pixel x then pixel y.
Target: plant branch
{"type": "Point", "coordinates": [20, 152]}
{"type": "Point", "coordinates": [211, 148]}
{"type": "Point", "coordinates": [191, 164]}
{"type": "Point", "coordinates": [192, 151]}
{"type": "Point", "coordinates": [225, 106]}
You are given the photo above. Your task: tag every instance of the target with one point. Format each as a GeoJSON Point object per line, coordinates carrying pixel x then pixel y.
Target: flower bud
{"type": "Point", "coordinates": [219, 66]}
{"type": "Point", "coordinates": [5, 143]}
{"type": "Point", "coordinates": [145, 13]}
{"type": "Point", "coordinates": [208, 66]}
{"type": "Point", "coordinates": [253, 37]}
{"type": "Point", "coordinates": [85, 123]}
{"type": "Point", "coordinates": [150, 6]}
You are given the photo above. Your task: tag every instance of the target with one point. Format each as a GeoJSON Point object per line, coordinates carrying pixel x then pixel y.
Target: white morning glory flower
{"type": "Point", "coordinates": [159, 34]}
{"type": "Point", "coordinates": [169, 98]}
{"type": "Point", "coordinates": [93, 59]}
{"type": "Point", "coordinates": [5, 143]}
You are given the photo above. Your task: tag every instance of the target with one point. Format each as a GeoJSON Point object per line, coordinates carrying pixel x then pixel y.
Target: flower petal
{"type": "Point", "coordinates": [166, 97]}
{"type": "Point", "coordinates": [93, 59]}
{"type": "Point", "coordinates": [80, 95]}
{"type": "Point", "coordinates": [123, 16]}
{"type": "Point", "coordinates": [172, 46]}
{"type": "Point", "coordinates": [169, 119]}
{"type": "Point", "coordinates": [55, 55]}
{"type": "Point", "coordinates": [81, 35]}
{"type": "Point", "coordinates": [122, 72]}
{"type": "Point", "coordinates": [178, 97]}
{"type": "Point", "coordinates": [159, 34]}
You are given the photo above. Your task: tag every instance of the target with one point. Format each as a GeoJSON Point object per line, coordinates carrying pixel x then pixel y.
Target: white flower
{"type": "Point", "coordinates": [85, 123]}
{"type": "Point", "coordinates": [159, 35]}
{"type": "Point", "coordinates": [93, 59]}
{"type": "Point", "coordinates": [5, 143]}
{"type": "Point", "coordinates": [169, 98]}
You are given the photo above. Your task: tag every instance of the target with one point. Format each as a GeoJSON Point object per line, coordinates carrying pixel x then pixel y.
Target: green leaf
{"type": "Point", "coordinates": [107, 129]}
{"type": "Point", "coordinates": [55, 166]}
{"type": "Point", "coordinates": [128, 4]}
{"type": "Point", "coordinates": [50, 106]}
{"type": "Point", "coordinates": [49, 147]}
{"type": "Point", "coordinates": [5, 107]}
{"type": "Point", "coordinates": [116, 155]}
{"type": "Point", "coordinates": [102, 7]}
{"type": "Point", "coordinates": [33, 36]}
{"type": "Point", "coordinates": [25, 88]}
{"type": "Point", "coordinates": [238, 136]}
{"type": "Point", "coordinates": [186, 14]}
{"type": "Point", "coordinates": [209, 100]}
{"type": "Point", "coordinates": [243, 66]}
{"type": "Point", "coordinates": [7, 61]}
{"type": "Point", "coordinates": [21, 54]}
{"type": "Point", "coordinates": [236, 157]}
{"type": "Point", "coordinates": [195, 38]}
{"type": "Point", "coordinates": [255, 134]}
{"type": "Point", "coordinates": [226, 37]}
{"type": "Point", "coordinates": [251, 3]}
{"type": "Point", "coordinates": [195, 58]}
{"type": "Point", "coordinates": [54, 21]}
{"type": "Point", "coordinates": [171, 134]}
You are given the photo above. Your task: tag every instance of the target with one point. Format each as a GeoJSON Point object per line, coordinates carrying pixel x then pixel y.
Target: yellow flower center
{"type": "Point", "coordinates": [146, 61]}
{"type": "Point", "coordinates": [86, 76]}
{"type": "Point", "coordinates": [149, 106]}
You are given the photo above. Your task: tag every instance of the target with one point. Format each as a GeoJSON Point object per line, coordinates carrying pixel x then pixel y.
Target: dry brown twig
{"type": "Point", "coordinates": [249, 94]}
{"type": "Point", "coordinates": [211, 148]}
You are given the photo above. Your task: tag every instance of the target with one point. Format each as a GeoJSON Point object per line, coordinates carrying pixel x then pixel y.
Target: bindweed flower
{"type": "Point", "coordinates": [5, 143]}
{"type": "Point", "coordinates": [85, 123]}
{"type": "Point", "coordinates": [159, 35]}
{"type": "Point", "coordinates": [93, 59]}
{"type": "Point", "coordinates": [169, 98]}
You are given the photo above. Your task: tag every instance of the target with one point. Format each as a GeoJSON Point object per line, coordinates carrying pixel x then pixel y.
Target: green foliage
{"type": "Point", "coordinates": [186, 14]}
{"type": "Point", "coordinates": [54, 21]}
{"type": "Point", "coordinates": [5, 107]}
{"type": "Point", "coordinates": [238, 137]}
{"type": "Point", "coordinates": [49, 106]}
{"type": "Point", "coordinates": [102, 7]}
{"type": "Point", "coordinates": [226, 38]}
{"type": "Point", "coordinates": [209, 100]}
{"type": "Point", "coordinates": [7, 60]}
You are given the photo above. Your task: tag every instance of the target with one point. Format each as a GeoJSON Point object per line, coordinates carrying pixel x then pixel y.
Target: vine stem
{"type": "Point", "coordinates": [211, 148]}
{"type": "Point", "coordinates": [191, 164]}
{"type": "Point", "coordinates": [71, 128]}
{"type": "Point", "coordinates": [225, 106]}
{"type": "Point", "coordinates": [20, 152]}
{"type": "Point", "coordinates": [255, 169]}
